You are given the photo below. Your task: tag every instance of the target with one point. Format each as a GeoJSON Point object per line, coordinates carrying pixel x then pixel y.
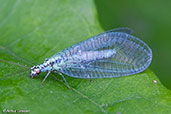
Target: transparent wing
{"type": "Point", "coordinates": [99, 41]}
{"type": "Point", "coordinates": [123, 29]}
{"type": "Point", "coordinates": [93, 58]}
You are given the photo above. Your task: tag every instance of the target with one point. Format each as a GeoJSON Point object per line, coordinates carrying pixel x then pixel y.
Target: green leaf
{"type": "Point", "coordinates": [31, 31]}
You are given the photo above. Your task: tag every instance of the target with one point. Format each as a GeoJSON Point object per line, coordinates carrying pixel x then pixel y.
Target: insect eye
{"type": "Point", "coordinates": [38, 71]}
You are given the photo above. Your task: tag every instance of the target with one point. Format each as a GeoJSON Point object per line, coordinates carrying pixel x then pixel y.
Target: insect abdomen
{"type": "Point", "coordinates": [89, 56]}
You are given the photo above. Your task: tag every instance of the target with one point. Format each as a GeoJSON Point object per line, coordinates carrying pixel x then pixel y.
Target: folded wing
{"type": "Point", "coordinates": [113, 53]}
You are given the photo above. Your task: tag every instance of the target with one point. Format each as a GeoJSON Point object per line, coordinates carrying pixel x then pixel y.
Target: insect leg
{"type": "Point", "coordinates": [65, 81]}
{"type": "Point", "coordinates": [46, 77]}
{"type": "Point", "coordinates": [90, 80]}
{"type": "Point", "coordinates": [56, 78]}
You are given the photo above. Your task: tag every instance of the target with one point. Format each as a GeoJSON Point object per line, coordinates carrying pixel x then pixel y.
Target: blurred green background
{"type": "Point", "coordinates": [150, 20]}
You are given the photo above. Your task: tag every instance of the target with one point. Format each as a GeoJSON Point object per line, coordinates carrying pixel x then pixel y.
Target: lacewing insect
{"type": "Point", "coordinates": [113, 53]}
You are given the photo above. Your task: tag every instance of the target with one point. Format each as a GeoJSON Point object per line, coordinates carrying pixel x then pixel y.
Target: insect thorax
{"type": "Point", "coordinates": [49, 64]}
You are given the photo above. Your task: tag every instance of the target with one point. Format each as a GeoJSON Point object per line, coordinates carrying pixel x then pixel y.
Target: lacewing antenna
{"type": "Point", "coordinates": [27, 68]}
{"type": "Point", "coordinates": [14, 63]}
{"type": "Point", "coordinates": [16, 56]}
{"type": "Point", "coordinates": [20, 71]}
